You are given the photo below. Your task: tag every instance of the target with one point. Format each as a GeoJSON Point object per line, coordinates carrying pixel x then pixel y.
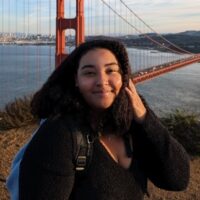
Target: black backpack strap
{"type": "Point", "coordinates": [83, 149]}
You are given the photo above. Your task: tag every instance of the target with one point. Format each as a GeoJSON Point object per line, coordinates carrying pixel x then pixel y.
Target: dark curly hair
{"type": "Point", "coordinates": [59, 95]}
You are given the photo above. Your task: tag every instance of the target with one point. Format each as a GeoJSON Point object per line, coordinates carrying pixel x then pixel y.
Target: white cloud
{"type": "Point", "coordinates": [168, 16]}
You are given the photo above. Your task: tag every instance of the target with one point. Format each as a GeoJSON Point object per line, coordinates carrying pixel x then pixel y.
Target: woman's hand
{"type": "Point", "coordinates": [139, 110]}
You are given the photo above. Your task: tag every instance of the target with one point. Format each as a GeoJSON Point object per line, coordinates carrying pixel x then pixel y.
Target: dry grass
{"type": "Point", "coordinates": [10, 143]}
{"type": "Point", "coordinates": [16, 114]}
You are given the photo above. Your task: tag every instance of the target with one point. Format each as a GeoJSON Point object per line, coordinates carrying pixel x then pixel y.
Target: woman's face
{"type": "Point", "coordinates": [98, 78]}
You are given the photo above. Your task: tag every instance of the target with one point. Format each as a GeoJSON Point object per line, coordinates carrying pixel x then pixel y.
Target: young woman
{"type": "Point", "coordinates": [91, 92]}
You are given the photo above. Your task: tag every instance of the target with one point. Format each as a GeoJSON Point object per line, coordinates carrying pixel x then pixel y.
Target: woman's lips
{"type": "Point", "coordinates": [102, 92]}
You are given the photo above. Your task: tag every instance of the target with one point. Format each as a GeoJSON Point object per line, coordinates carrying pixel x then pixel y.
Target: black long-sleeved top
{"type": "Point", "coordinates": [47, 169]}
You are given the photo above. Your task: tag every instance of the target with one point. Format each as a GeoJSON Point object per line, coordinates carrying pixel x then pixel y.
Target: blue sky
{"type": "Point", "coordinates": [162, 15]}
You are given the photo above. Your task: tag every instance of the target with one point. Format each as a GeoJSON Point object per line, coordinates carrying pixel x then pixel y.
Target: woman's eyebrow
{"type": "Point", "coordinates": [87, 66]}
{"type": "Point", "coordinates": [92, 66]}
{"type": "Point", "coordinates": [112, 63]}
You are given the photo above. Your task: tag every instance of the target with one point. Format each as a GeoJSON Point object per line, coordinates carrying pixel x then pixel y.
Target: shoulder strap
{"type": "Point", "coordinates": [83, 149]}
{"type": "Point", "coordinates": [82, 144]}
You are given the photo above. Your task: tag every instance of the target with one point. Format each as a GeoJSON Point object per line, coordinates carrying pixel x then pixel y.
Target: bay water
{"type": "Point", "coordinates": [25, 68]}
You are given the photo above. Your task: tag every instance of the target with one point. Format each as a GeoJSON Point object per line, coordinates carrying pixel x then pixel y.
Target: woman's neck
{"type": "Point", "coordinates": [95, 119]}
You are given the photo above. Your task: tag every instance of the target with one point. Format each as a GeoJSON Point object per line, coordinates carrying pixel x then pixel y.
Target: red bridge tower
{"type": "Point", "coordinates": [62, 24]}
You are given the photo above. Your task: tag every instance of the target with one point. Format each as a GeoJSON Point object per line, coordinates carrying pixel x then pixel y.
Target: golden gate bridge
{"type": "Point", "coordinates": [64, 24]}
{"type": "Point", "coordinates": [78, 24]}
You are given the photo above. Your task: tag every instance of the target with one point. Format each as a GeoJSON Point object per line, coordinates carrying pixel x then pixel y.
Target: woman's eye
{"type": "Point", "coordinates": [89, 73]}
{"type": "Point", "coordinates": [112, 71]}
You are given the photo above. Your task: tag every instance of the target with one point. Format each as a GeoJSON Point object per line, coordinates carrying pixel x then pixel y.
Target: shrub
{"type": "Point", "coordinates": [16, 114]}
{"type": "Point", "coordinates": [186, 129]}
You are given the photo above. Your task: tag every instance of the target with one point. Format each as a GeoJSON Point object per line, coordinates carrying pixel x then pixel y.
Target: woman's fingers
{"type": "Point", "coordinates": [139, 109]}
{"type": "Point", "coordinates": [132, 86]}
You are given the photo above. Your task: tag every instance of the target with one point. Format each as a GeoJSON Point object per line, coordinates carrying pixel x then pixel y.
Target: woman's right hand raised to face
{"type": "Point", "coordinates": [139, 110]}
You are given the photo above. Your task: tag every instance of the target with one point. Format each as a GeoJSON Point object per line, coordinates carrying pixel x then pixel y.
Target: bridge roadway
{"type": "Point", "coordinates": [164, 68]}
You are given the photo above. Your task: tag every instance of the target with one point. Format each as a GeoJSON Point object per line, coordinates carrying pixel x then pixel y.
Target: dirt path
{"type": "Point", "coordinates": [12, 140]}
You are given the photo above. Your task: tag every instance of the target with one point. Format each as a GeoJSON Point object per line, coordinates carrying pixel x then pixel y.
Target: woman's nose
{"type": "Point", "coordinates": [102, 79]}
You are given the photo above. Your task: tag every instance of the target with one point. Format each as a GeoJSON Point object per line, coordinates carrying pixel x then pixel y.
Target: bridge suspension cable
{"type": "Point", "coordinates": [174, 45]}
{"type": "Point", "coordinates": [139, 31]}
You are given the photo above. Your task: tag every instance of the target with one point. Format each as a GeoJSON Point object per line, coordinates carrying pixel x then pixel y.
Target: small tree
{"type": "Point", "coordinates": [186, 129]}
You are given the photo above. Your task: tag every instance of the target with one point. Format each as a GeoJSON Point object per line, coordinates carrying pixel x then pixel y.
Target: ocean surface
{"type": "Point", "coordinates": [25, 68]}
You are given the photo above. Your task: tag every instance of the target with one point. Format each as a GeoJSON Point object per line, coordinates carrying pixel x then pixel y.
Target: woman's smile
{"type": "Point", "coordinates": [103, 92]}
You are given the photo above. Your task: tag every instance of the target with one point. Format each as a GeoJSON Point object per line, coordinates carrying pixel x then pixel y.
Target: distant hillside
{"type": "Point", "coordinates": [188, 40]}
{"type": "Point", "coordinates": [191, 33]}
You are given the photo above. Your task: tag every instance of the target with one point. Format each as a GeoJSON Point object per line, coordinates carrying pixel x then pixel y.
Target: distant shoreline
{"type": "Point", "coordinates": [53, 43]}
{"type": "Point", "coordinates": [22, 43]}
